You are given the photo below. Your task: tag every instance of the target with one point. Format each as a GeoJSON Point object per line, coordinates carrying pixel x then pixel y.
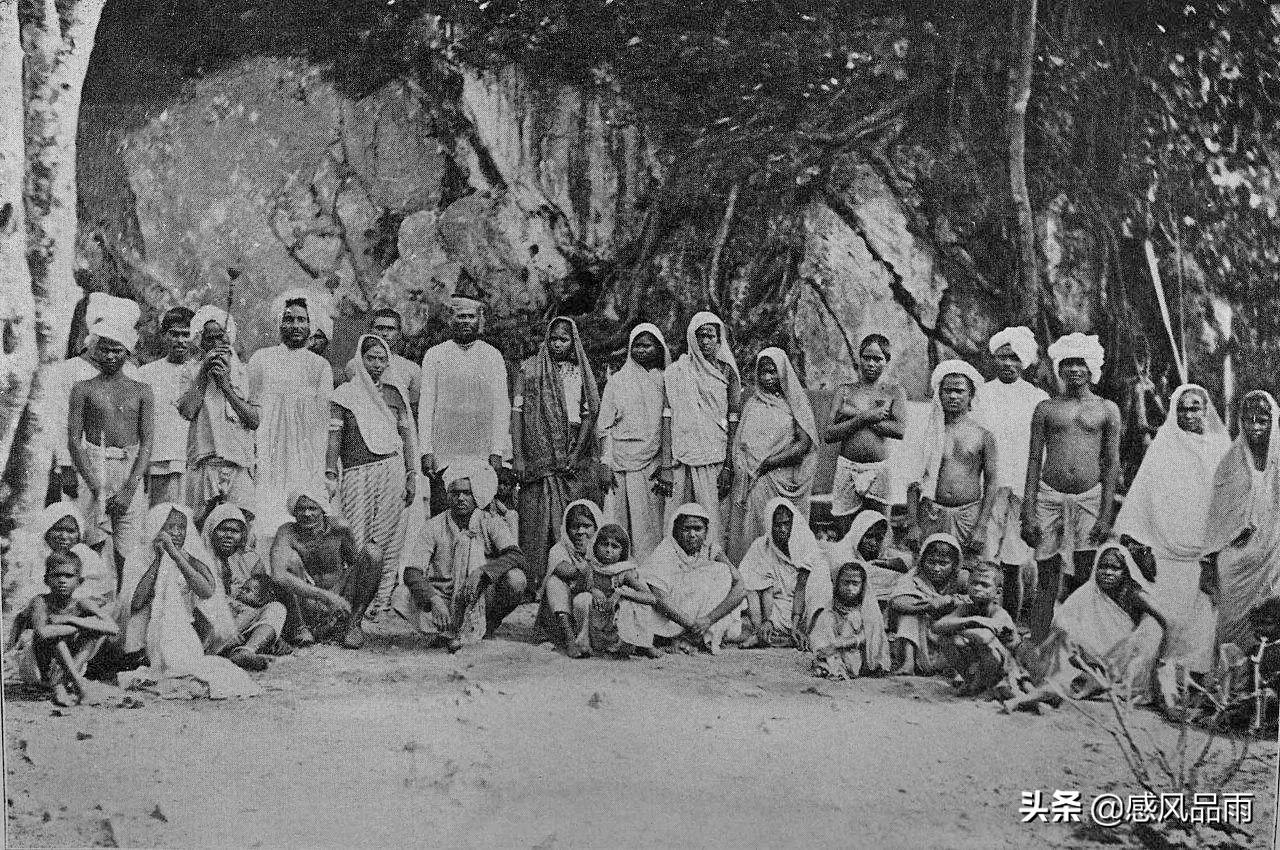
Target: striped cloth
{"type": "Point", "coordinates": [372, 497]}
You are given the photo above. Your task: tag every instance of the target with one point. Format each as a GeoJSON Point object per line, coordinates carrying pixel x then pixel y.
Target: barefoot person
{"type": "Point", "coordinates": [956, 492]}
{"type": "Point", "coordinates": [325, 579]}
{"type": "Point", "coordinates": [553, 438]}
{"type": "Point", "coordinates": [703, 402]}
{"type": "Point", "coordinates": [922, 596]}
{"type": "Point", "coordinates": [464, 409]}
{"type": "Point", "coordinates": [868, 542]}
{"type": "Point", "coordinates": [164, 376]}
{"type": "Point", "coordinates": [698, 595]}
{"type": "Point", "coordinates": [774, 450]}
{"type": "Point", "coordinates": [111, 424]}
{"type": "Point", "coordinates": [1072, 471]}
{"type": "Point", "coordinates": [865, 415]}
{"type": "Point", "coordinates": [631, 440]}
{"type": "Point", "coordinates": [246, 581]}
{"type": "Point", "coordinates": [1243, 537]}
{"type": "Point", "coordinates": [1167, 509]}
{"type": "Point", "coordinates": [371, 456]}
{"type": "Point", "coordinates": [1005, 406]}
{"type": "Point", "coordinates": [619, 620]}
{"type": "Point", "coordinates": [58, 529]}
{"type": "Point", "coordinates": [565, 596]}
{"type": "Point", "coordinates": [223, 416]}
{"type": "Point", "coordinates": [979, 639]}
{"type": "Point", "coordinates": [786, 576]}
{"type": "Point", "coordinates": [847, 636]}
{"type": "Point", "coordinates": [463, 573]}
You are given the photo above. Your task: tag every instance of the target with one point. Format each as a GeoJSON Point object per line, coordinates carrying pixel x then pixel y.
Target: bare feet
{"type": "Point", "coordinates": [246, 659]}
{"type": "Point", "coordinates": [62, 697]}
{"type": "Point", "coordinates": [453, 645]}
{"type": "Point", "coordinates": [573, 650]}
{"type": "Point", "coordinates": [648, 651]}
{"type": "Point", "coordinates": [279, 647]}
{"type": "Point", "coordinates": [303, 637]}
{"type": "Point", "coordinates": [902, 670]}
{"type": "Point", "coordinates": [91, 694]}
{"type": "Point", "coordinates": [354, 638]}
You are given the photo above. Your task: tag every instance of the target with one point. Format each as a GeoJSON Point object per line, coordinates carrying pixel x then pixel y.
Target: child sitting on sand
{"type": "Point", "coordinates": [617, 625]}
{"type": "Point", "coordinates": [928, 592]}
{"type": "Point", "coordinates": [848, 638]}
{"type": "Point", "coordinates": [66, 632]}
{"type": "Point", "coordinates": [979, 640]}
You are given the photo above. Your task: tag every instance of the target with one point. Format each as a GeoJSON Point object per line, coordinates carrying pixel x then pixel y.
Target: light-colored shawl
{"type": "Point", "coordinates": [765, 560]}
{"type": "Point", "coordinates": [236, 569]}
{"type": "Point", "coordinates": [222, 415]}
{"type": "Point", "coordinates": [631, 408]}
{"type": "Point", "coordinates": [698, 395]}
{"type": "Point", "coordinates": [1093, 619]}
{"type": "Point", "coordinates": [846, 548]}
{"type": "Point", "coordinates": [99, 584]}
{"type": "Point", "coordinates": [915, 586]}
{"type": "Point", "coordinates": [1167, 506]}
{"type": "Point", "coordinates": [362, 396]}
{"type": "Point", "coordinates": [875, 648]}
{"type": "Point", "coordinates": [758, 434]}
{"type": "Point", "coordinates": [548, 446]}
{"type": "Point", "coordinates": [935, 437]}
{"type": "Point", "coordinates": [1231, 508]}
{"type": "Point", "coordinates": [668, 558]}
{"type": "Point", "coordinates": [563, 551]}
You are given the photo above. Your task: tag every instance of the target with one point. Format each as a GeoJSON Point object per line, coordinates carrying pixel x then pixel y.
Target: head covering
{"type": "Point", "coordinates": [764, 557]}
{"type": "Point", "coordinates": [873, 656]}
{"type": "Point", "coordinates": [1021, 340]}
{"type": "Point", "coordinates": [563, 550]}
{"type": "Point", "coordinates": [364, 399]}
{"type": "Point", "coordinates": [1078, 345]}
{"type": "Point", "coordinates": [941, 537]}
{"type": "Point", "coordinates": [935, 435]}
{"type": "Point", "coordinates": [114, 319]}
{"type": "Point", "coordinates": [1167, 505]}
{"type": "Point", "coordinates": [315, 491]}
{"type": "Point", "coordinates": [1093, 619]}
{"type": "Point", "coordinates": [631, 408]}
{"type": "Point", "coordinates": [846, 549]}
{"type": "Point", "coordinates": [793, 391]}
{"type": "Point", "coordinates": [216, 517]}
{"type": "Point", "coordinates": [209, 313]}
{"type": "Point", "coordinates": [694, 351]}
{"type": "Point", "coordinates": [548, 444]}
{"type": "Point", "coordinates": [484, 481]}
{"type": "Point", "coordinates": [135, 628]}
{"type": "Point", "coordinates": [697, 395]}
{"type": "Point", "coordinates": [457, 302]}
{"type": "Point", "coordinates": [99, 583]}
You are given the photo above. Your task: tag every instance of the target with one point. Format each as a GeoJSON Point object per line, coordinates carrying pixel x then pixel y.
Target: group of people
{"type": "Point", "coordinates": [212, 513]}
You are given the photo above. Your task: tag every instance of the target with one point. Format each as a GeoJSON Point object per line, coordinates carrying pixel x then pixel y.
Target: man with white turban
{"type": "Point", "coordinates": [109, 435]}
{"type": "Point", "coordinates": [464, 410]}
{"type": "Point", "coordinates": [321, 309]}
{"type": "Point", "coordinates": [294, 387]}
{"type": "Point", "coordinates": [463, 572]}
{"type": "Point", "coordinates": [216, 399]}
{"type": "Point", "coordinates": [56, 379]}
{"type": "Point", "coordinates": [1004, 406]}
{"type": "Point", "coordinates": [326, 580]}
{"type": "Point", "coordinates": [955, 490]}
{"type": "Point", "coordinates": [1073, 469]}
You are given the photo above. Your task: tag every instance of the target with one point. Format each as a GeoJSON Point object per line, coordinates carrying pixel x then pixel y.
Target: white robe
{"type": "Point", "coordinates": [294, 387]}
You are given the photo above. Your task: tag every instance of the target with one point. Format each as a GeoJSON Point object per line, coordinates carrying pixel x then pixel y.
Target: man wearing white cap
{"type": "Point", "coordinates": [1004, 406]}
{"type": "Point", "coordinates": [109, 435]}
{"type": "Point", "coordinates": [57, 380]}
{"type": "Point", "coordinates": [955, 493]}
{"type": "Point", "coordinates": [1073, 468]}
{"type": "Point", "coordinates": [464, 410]}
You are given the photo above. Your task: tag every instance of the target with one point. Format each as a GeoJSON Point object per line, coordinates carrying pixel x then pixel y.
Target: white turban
{"type": "Point", "coordinates": [1021, 340]}
{"type": "Point", "coordinates": [1078, 345]}
{"type": "Point", "coordinates": [955, 367]}
{"type": "Point", "coordinates": [484, 481]}
{"type": "Point", "coordinates": [208, 313]}
{"type": "Point", "coordinates": [315, 491]}
{"type": "Point", "coordinates": [113, 318]}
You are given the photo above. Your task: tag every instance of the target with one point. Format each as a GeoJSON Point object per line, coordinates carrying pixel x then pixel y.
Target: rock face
{"type": "Point", "coordinates": [530, 195]}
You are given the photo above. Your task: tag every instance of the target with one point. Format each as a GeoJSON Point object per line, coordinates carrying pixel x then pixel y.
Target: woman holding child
{"type": "Point", "coordinates": [246, 583]}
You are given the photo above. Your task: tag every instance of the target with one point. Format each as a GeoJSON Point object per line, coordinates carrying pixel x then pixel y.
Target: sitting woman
{"type": "Point", "coordinates": [785, 574]}
{"type": "Point", "coordinates": [868, 541]}
{"type": "Point", "coordinates": [566, 593]}
{"type": "Point", "coordinates": [847, 637]}
{"type": "Point", "coordinates": [698, 595]}
{"type": "Point", "coordinates": [246, 582]}
{"type": "Point", "coordinates": [928, 592]}
{"type": "Point", "coordinates": [168, 600]}
{"type": "Point", "coordinates": [1110, 622]}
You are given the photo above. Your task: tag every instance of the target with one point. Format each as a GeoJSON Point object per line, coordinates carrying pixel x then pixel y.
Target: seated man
{"type": "Point", "coordinates": [464, 572]}
{"type": "Point", "coordinates": [698, 594]}
{"type": "Point", "coordinates": [326, 581]}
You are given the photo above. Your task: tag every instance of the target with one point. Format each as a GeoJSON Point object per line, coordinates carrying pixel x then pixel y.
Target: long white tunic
{"type": "Point", "coordinates": [294, 387]}
{"type": "Point", "coordinates": [464, 409]}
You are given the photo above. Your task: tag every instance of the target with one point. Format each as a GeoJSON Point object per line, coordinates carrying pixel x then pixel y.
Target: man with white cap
{"type": "Point", "coordinates": [1004, 406]}
{"type": "Point", "coordinates": [464, 409]}
{"type": "Point", "coordinates": [109, 435]}
{"type": "Point", "coordinates": [57, 380]}
{"type": "Point", "coordinates": [1073, 468]}
{"type": "Point", "coordinates": [956, 489]}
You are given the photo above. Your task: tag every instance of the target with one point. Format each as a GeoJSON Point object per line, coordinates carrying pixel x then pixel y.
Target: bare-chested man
{"type": "Point", "coordinates": [326, 580]}
{"type": "Point", "coordinates": [957, 490]}
{"type": "Point", "coordinates": [1072, 472]}
{"type": "Point", "coordinates": [109, 438]}
{"type": "Point", "coordinates": [864, 415]}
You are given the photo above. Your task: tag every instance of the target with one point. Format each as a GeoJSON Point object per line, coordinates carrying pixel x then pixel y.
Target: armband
{"type": "Point", "coordinates": [666, 413]}
{"type": "Point", "coordinates": [733, 417]}
{"type": "Point", "coordinates": [331, 473]}
{"type": "Point", "coordinates": [335, 424]}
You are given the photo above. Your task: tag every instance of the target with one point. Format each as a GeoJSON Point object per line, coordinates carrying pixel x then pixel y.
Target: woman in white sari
{"type": "Point", "coordinates": [1167, 509]}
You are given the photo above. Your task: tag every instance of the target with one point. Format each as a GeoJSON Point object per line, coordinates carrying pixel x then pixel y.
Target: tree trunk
{"type": "Point", "coordinates": [1028, 295]}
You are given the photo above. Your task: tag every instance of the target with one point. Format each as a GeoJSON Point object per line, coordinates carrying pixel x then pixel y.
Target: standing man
{"type": "Point", "coordinates": [464, 409]}
{"type": "Point", "coordinates": [1073, 468]}
{"type": "Point", "coordinates": [109, 438]}
{"type": "Point", "coordinates": [1004, 406]}
{"type": "Point", "coordinates": [164, 376]}
{"type": "Point", "coordinates": [222, 414]}
{"type": "Point", "coordinates": [401, 371]}
{"type": "Point", "coordinates": [294, 387]}
{"type": "Point", "coordinates": [865, 415]}
{"type": "Point", "coordinates": [956, 492]}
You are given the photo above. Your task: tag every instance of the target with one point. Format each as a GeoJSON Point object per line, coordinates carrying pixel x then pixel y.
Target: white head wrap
{"type": "Point", "coordinates": [1021, 340]}
{"type": "Point", "coordinates": [1078, 345]}
{"type": "Point", "coordinates": [113, 318]}
{"type": "Point", "coordinates": [315, 491]}
{"type": "Point", "coordinates": [954, 367]}
{"type": "Point", "coordinates": [208, 313]}
{"type": "Point", "coordinates": [935, 436]}
{"type": "Point", "coordinates": [484, 481]}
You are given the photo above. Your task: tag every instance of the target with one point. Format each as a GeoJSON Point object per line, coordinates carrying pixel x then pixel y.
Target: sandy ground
{"type": "Point", "coordinates": [510, 744]}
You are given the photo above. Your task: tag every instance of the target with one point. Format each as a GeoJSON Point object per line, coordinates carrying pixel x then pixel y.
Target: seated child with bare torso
{"type": "Point", "coordinates": [978, 639]}
{"type": "Point", "coordinates": [617, 623]}
{"type": "Point", "coordinates": [67, 632]}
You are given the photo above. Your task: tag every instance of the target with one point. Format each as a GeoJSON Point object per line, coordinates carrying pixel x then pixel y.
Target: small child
{"type": "Point", "coordinates": [66, 632]}
{"type": "Point", "coordinates": [979, 640]}
{"type": "Point", "coordinates": [617, 623]}
{"type": "Point", "coordinates": [848, 639]}
{"type": "Point", "coordinates": [504, 503]}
